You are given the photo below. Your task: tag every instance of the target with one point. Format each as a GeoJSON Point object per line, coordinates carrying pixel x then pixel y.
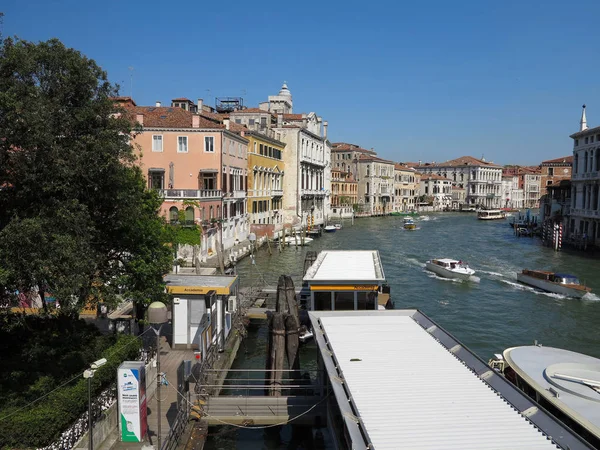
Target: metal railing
{"type": "Point", "coordinates": [190, 193]}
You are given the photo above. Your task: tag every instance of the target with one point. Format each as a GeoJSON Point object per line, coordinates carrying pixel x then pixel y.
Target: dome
{"type": "Point", "coordinates": [285, 91]}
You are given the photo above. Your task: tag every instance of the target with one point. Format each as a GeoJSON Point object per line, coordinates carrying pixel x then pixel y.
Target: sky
{"type": "Point", "coordinates": [426, 81]}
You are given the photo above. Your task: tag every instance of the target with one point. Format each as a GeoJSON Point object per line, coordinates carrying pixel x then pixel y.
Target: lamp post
{"type": "Point", "coordinates": [157, 316]}
{"type": "Point", "coordinates": [89, 374]}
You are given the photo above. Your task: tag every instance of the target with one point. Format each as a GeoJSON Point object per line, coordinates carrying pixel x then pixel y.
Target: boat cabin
{"type": "Point", "coordinates": [202, 309]}
{"type": "Point", "coordinates": [491, 214]}
{"type": "Point", "coordinates": [447, 263]}
{"type": "Point", "coordinates": [346, 280]}
{"type": "Point", "coordinates": [560, 278]}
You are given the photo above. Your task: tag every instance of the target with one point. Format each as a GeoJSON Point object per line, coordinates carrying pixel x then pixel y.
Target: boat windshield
{"type": "Point", "coordinates": [567, 280]}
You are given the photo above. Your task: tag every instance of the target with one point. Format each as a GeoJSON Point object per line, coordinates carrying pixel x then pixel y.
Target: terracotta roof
{"type": "Point", "coordinates": [564, 159]}
{"type": "Point", "coordinates": [464, 161]}
{"type": "Point", "coordinates": [399, 166]}
{"type": "Point", "coordinates": [253, 111]}
{"type": "Point", "coordinates": [213, 116]}
{"type": "Point", "coordinates": [412, 164]}
{"type": "Point", "coordinates": [171, 117]}
{"type": "Point", "coordinates": [236, 127]}
{"type": "Point", "coordinates": [367, 158]}
{"type": "Point", "coordinates": [292, 117]}
{"type": "Point", "coordinates": [124, 100]}
{"type": "Point", "coordinates": [433, 176]}
{"type": "Point", "coordinates": [345, 147]}
{"type": "Point", "coordinates": [181, 99]}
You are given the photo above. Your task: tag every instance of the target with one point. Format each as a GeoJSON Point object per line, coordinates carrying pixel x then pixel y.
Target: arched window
{"type": "Point", "coordinates": [173, 214]}
{"type": "Point", "coordinates": [189, 215]}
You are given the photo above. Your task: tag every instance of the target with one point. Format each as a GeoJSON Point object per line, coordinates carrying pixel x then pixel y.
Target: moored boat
{"type": "Point", "coordinates": [491, 214]}
{"type": "Point", "coordinates": [297, 240]}
{"type": "Point", "coordinates": [338, 226]}
{"type": "Point", "coordinates": [565, 383]}
{"type": "Point", "coordinates": [409, 224]}
{"type": "Point", "coordinates": [330, 229]}
{"type": "Point", "coordinates": [450, 268]}
{"type": "Point", "coordinates": [558, 283]}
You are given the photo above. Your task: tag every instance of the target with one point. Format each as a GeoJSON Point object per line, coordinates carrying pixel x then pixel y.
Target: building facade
{"type": "Point", "coordinates": [512, 195]}
{"type": "Point", "coordinates": [585, 184]}
{"type": "Point", "coordinates": [531, 187]}
{"type": "Point", "coordinates": [199, 167]}
{"type": "Point", "coordinates": [344, 194]}
{"type": "Point", "coordinates": [436, 190]}
{"type": "Point", "coordinates": [481, 179]}
{"type": "Point", "coordinates": [406, 188]}
{"type": "Point", "coordinates": [554, 170]}
{"type": "Point", "coordinates": [376, 193]}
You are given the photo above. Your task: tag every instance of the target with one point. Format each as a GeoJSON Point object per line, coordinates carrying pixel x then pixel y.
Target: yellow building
{"type": "Point", "coordinates": [344, 193]}
{"type": "Point", "coordinates": [265, 181]}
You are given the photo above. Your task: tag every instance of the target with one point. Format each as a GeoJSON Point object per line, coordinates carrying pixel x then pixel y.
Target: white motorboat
{"type": "Point", "coordinates": [305, 335]}
{"type": "Point", "coordinates": [330, 229]}
{"type": "Point", "coordinates": [450, 268]}
{"type": "Point", "coordinates": [558, 283]}
{"type": "Point", "coordinates": [491, 214]}
{"type": "Point", "coordinates": [565, 383]}
{"type": "Point", "coordinates": [338, 226]}
{"type": "Point", "coordinates": [297, 240]}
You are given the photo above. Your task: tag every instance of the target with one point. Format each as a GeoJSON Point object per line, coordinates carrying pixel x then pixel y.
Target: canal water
{"type": "Point", "coordinates": [488, 315]}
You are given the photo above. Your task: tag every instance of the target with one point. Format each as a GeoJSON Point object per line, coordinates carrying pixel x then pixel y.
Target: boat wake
{"type": "Point", "coordinates": [433, 275]}
{"type": "Point", "coordinates": [494, 274]}
{"type": "Point", "coordinates": [522, 287]}
{"type": "Point", "coordinates": [591, 297]}
{"type": "Point", "coordinates": [474, 279]}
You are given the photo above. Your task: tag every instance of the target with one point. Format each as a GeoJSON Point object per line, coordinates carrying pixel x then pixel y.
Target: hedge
{"type": "Point", "coordinates": [44, 421]}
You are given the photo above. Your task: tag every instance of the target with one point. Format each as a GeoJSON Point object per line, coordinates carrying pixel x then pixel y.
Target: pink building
{"type": "Point", "coordinates": [199, 164]}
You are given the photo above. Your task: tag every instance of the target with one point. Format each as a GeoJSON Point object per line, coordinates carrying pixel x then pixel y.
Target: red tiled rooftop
{"type": "Point", "coordinates": [292, 117]}
{"type": "Point", "coordinates": [564, 159]}
{"type": "Point", "coordinates": [464, 161]}
{"type": "Point", "coordinates": [171, 117]}
{"type": "Point", "coordinates": [181, 99]}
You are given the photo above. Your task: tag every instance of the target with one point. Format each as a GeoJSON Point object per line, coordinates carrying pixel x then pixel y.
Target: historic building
{"type": "Point", "coordinates": [481, 179]}
{"type": "Point", "coordinates": [199, 166]}
{"type": "Point", "coordinates": [585, 184]}
{"type": "Point", "coordinates": [344, 194]}
{"type": "Point", "coordinates": [437, 191]}
{"type": "Point", "coordinates": [376, 192]}
{"type": "Point", "coordinates": [406, 188]}
{"type": "Point", "coordinates": [554, 170]}
{"type": "Point", "coordinates": [306, 158]}
{"type": "Point", "coordinates": [512, 194]}
{"type": "Point", "coordinates": [265, 170]}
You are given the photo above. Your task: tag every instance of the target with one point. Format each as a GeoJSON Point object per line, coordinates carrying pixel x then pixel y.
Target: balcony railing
{"type": "Point", "coordinates": [277, 192]}
{"type": "Point", "coordinates": [190, 193]}
{"type": "Point", "coordinates": [315, 192]}
{"type": "Point", "coordinates": [585, 212]}
{"type": "Point", "coordinates": [236, 194]}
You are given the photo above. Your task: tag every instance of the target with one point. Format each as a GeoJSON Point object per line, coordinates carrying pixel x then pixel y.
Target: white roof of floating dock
{"type": "Point", "coordinates": [411, 385]}
{"type": "Point", "coordinates": [346, 266]}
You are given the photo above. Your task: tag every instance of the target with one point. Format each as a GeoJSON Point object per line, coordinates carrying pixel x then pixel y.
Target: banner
{"type": "Point", "coordinates": [131, 382]}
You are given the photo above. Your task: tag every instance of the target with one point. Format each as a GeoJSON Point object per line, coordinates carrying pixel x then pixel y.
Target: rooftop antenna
{"type": "Point", "coordinates": [130, 81]}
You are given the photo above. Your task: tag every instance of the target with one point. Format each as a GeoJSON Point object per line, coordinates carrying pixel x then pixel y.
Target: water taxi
{"type": "Point", "coordinates": [491, 214]}
{"type": "Point", "coordinates": [565, 383]}
{"type": "Point", "coordinates": [409, 224]}
{"type": "Point", "coordinates": [450, 268]}
{"type": "Point", "coordinates": [558, 283]}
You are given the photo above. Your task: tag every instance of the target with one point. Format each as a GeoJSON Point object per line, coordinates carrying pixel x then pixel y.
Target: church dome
{"type": "Point", "coordinates": [285, 91]}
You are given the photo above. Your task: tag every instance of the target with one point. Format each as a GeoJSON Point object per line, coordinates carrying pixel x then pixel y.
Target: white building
{"type": "Point", "coordinates": [585, 181]}
{"type": "Point", "coordinates": [481, 179]}
{"type": "Point", "coordinates": [439, 189]}
{"type": "Point", "coordinates": [512, 196]}
{"type": "Point", "coordinates": [307, 159]}
{"type": "Point", "coordinates": [376, 192]}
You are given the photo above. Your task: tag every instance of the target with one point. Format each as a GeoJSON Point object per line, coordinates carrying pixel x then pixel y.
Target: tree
{"type": "Point", "coordinates": [75, 217]}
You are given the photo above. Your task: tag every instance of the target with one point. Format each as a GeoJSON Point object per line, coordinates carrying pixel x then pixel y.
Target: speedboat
{"type": "Point", "coordinates": [450, 268]}
{"type": "Point", "coordinates": [409, 224]}
{"type": "Point", "coordinates": [330, 229]}
{"type": "Point", "coordinates": [491, 214]}
{"type": "Point", "coordinates": [565, 383]}
{"type": "Point", "coordinates": [558, 283]}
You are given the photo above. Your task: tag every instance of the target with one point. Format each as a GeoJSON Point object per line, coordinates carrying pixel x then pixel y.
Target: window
{"type": "Point", "coordinates": [157, 143]}
{"type": "Point", "coordinates": [209, 144]}
{"type": "Point", "coordinates": [576, 142]}
{"type": "Point", "coordinates": [251, 122]}
{"type": "Point", "coordinates": [182, 144]}
{"type": "Point", "coordinates": [551, 171]}
{"type": "Point", "coordinates": [548, 183]}
{"type": "Point", "coordinates": [238, 121]}
{"type": "Point", "coordinates": [586, 140]}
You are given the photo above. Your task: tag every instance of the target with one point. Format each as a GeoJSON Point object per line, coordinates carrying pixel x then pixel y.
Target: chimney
{"type": "Point", "coordinates": [226, 123]}
{"type": "Point", "coordinates": [304, 120]}
{"type": "Point", "coordinates": [200, 104]}
{"type": "Point", "coordinates": [158, 104]}
{"type": "Point", "coordinates": [195, 121]}
{"type": "Point", "coordinates": [140, 119]}
{"type": "Point", "coordinates": [279, 120]}
{"type": "Point", "coordinates": [325, 129]}
{"type": "Point", "coordinates": [419, 162]}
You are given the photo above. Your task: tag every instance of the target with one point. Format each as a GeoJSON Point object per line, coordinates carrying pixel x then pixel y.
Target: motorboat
{"type": "Point", "coordinates": [338, 226]}
{"type": "Point", "coordinates": [330, 229]}
{"type": "Point", "coordinates": [409, 224]}
{"type": "Point", "coordinates": [450, 268]}
{"type": "Point", "coordinates": [565, 383]}
{"type": "Point", "coordinates": [306, 334]}
{"type": "Point", "coordinates": [558, 283]}
{"type": "Point", "coordinates": [297, 240]}
{"type": "Point", "coordinates": [491, 214]}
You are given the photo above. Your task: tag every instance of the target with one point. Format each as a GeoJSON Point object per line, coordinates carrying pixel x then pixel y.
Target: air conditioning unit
{"type": "Point", "coordinates": [232, 303]}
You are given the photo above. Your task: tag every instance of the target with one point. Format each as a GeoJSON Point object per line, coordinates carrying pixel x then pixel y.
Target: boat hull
{"type": "Point", "coordinates": [410, 227]}
{"type": "Point", "coordinates": [330, 229]}
{"type": "Point", "coordinates": [550, 287]}
{"type": "Point", "coordinates": [441, 271]}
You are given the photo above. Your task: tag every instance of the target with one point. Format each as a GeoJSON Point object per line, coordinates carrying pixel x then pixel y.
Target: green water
{"type": "Point", "coordinates": [487, 316]}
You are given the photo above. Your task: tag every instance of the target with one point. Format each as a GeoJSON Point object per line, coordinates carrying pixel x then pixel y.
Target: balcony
{"type": "Point", "coordinates": [581, 212]}
{"type": "Point", "coordinates": [185, 194]}
{"type": "Point", "coordinates": [314, 192]}
{"type": "Point", "coordinates": [236, 194]}
{"type": "Point", "coordinates": [277, 192]}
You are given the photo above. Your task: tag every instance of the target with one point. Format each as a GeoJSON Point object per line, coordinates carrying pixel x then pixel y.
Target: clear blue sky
{"type": "Point", "coordinates": [415, 80]}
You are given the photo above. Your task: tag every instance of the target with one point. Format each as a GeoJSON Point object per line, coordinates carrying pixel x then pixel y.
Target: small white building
{"type": "Point", "coordinates": [512, 195]}
{"type": "Point", "coordinates": [202, 309]}
{"type": "Point", "coordinates": [437, 188]}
